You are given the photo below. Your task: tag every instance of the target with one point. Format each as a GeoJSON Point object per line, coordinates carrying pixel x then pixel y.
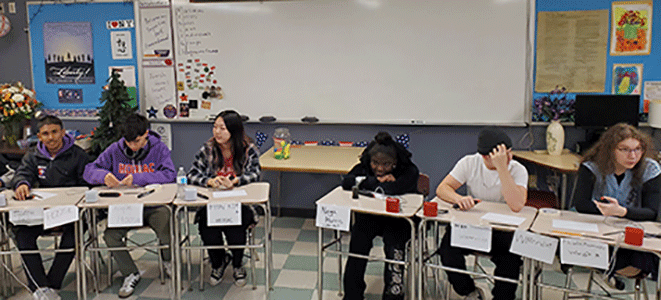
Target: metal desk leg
{"type": "Point", "coordinates": [563, 191]}
{"type": "Point", "coordinates": [320, 263]}
{"type": "Point", "coordinates": [278, 191]}
{"type": "Point", "coordinates": [338, 247]}
{"type": "Point", "coordinates": [176, 254]}
{"type": "Point", "coordinates": [421, 254]}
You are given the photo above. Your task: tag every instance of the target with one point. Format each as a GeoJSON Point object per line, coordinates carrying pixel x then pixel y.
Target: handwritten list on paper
{"type": "Point", "coordinates": [584, 253]}
{"type": "Point", "coordinates": [535, 246]}
{"type": "Point", "coordinates": [159, 86]}
{"type": "Point", "coordinates": [571, 50]}
{"type": "Point", "coordinates": [155, 32]}
{"type": "Point", "coordinates": [193, 37]}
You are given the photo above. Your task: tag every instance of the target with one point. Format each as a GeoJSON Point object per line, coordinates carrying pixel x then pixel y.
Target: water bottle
{"type": "Point", "coordinates": [182, 181]}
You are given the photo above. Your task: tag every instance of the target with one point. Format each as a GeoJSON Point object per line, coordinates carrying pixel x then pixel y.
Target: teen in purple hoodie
{"type": "Point", "coordinates": [138, 158]}
{"type": "Point", "coordinates": [55, 162]}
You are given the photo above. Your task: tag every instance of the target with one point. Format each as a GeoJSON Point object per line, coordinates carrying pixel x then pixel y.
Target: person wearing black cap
{"type": "Point", "coordinates": [489, 175]}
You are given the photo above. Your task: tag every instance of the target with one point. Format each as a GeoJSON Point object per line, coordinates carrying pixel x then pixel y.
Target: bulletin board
{"type": "Point", "coordinates": [73, 48]}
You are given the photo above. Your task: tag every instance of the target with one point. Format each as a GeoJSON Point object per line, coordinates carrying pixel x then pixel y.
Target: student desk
{"type": "Point", "coordinates": [409, 205]}
{"type": "Point", "coordinates": [471, 217]}
{"type": "Point", "coordinates": [311, 159]}
{"type": "Point", "coordinates": [163, 196]}
{"type": "Point", "coordinates": [64, 196]}
{"type": "Point", "coordinates": [544, 225]}
{"type": "Point", "coordinates": [257, 193]}
{"type": "Point", "coordinates": [564, 164]}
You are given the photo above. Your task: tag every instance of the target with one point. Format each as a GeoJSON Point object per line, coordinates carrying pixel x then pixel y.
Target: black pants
{"type": "Point", "coordinates": [235, 235]}
{"type": "Point", "coordinates": [26, 239]}
{"type": "Point", "coordinates": [395, 232]}
{"type": "Point", "coordinates": [507, 265]}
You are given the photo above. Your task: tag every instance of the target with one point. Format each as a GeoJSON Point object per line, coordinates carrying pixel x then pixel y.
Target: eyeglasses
{"type": "Point", "coordinates": [636, 151]}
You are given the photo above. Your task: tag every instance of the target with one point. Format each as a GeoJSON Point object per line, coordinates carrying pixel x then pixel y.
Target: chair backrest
{"type": "Point", "coordinates": [542, 199]}
{"type": "Point", "coordinates": [423, 184]}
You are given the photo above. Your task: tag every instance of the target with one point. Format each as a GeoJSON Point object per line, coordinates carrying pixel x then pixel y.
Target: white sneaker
{"type": "Point", "coordinates": [216, 276]}
{"type": "Point", "coordinates": [167, 266]}
{"type": "Point", "coordinates": [240, 277]}
{"type": "Point", "coordinates": [477, 294]}
{"type": "Point", "coordinates": [129, 285]}
{"type": "Point", "coordinates": [45, 293]}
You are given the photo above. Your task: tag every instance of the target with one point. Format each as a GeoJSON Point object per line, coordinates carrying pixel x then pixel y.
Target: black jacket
{"type": "Point", "coordinates": [38, 169]}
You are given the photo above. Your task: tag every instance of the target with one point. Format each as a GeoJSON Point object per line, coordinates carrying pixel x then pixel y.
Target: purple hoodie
{"type": "Point", "coordinates": [155, 167]}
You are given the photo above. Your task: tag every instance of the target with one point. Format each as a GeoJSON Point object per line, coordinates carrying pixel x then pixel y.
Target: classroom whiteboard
{"type": "Point", "coordinates": [356, 61]}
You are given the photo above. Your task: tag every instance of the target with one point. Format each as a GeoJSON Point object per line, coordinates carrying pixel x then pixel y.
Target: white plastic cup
{"type": "Point", "coordinates": [91, 196]}
{"type": "Point", "coordinates": [3, 200]}
{"type": "Point", "coordinates": [190, 193]}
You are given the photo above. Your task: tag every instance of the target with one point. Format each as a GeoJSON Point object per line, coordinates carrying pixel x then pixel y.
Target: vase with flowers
{"type": "Point", "coordinates": [555, 107]}
{"type": "Point", "coordinates": [17, 105]}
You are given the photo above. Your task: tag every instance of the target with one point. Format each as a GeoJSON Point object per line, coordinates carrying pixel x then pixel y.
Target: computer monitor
{"type": "Point", "coordinates": [601, 111]}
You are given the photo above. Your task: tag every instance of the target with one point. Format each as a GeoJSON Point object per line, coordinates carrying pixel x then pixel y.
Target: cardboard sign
{"type": "Point", "coordinates": [60, 215]}
{"type": "Point", "coordinates": [535, 246]}
{"type": "Point", "coordinates": [222, 214]}
{"type": "Point", "coordinates": [333, 217]}
{"type": "Point", "coordinates": [471, 237]}
{"type": "Point", "coordinates": [30, 216]}
{"type": "Point", "coordinates": [584, 253]}
{"type": "Point", "coordinates": [125, 215]}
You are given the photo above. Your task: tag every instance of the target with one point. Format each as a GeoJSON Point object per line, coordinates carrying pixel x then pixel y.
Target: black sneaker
{"type": "Point", "coordinates": [240, 276]}
{"type": "Point", "coordinates": [217, 273]}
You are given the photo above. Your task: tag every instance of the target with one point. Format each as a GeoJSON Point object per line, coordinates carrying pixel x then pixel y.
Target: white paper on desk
{"type": "Point", "coordinates": [229, 193]}
{"type": "Point", "coordinates": [504, 219]}
{"type": "Point", "coordinates": [535, 246]}
{"type": "Point", "coordinates": [222, 214]}
{"type": "Point", "coordinates": [125, 215]}
{"type": "Point", "coordinates": [584, 253]}
{"type": "Point", "coordinates": [29, 216]}
{"type": "Point", "coordinates": [471, 237]}
{"type": "Point", "coordinates": [575, 226]}
{"type": "Point", "coordinates": [333, 217]}
{"type": "Point", "coordinates": [43, 195]}
{"type": "Point", "coordinates": [60, 215]}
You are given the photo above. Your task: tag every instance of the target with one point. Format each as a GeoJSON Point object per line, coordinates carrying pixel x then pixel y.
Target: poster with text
{"type": "Point", "coordinates": [68, 53]}
{"type": "Point", "coordinates": [631, 32]}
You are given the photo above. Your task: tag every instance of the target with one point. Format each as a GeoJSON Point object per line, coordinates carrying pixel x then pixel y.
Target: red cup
{"type": "Point", "coordinates": [392, 205]}
{"type": "Point", "coordinates": [430, 209]}
{"type": "Point", "coordinates": [634, 236]}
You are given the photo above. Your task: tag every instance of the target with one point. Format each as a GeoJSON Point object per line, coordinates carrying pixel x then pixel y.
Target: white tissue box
{"type": "Point", "coordinates": [91, 196]}
{"type": "Point", "coordinates": [190, 194]}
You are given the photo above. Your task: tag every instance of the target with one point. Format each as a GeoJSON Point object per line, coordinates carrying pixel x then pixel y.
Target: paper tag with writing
{"type": "Point", "coordinates": [333, 217]}
{"type": "Point", "coordinates": [584, 253]}
{"type": "Point", "coordinates": [60, 215]}
{"type": "Point", "coordinates": [535, 246]}
{"type": "Point", "coordinates": [471, 237]}
{"type": "Point", "coordinates": [220, 214]}
{"type": "Point", "coordinates": [125, 215]}
{"type": "Point", "coordinates": [29, 216]}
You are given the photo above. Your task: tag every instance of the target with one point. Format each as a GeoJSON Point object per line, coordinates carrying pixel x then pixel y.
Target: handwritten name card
{"type": "Point", "coordinates": [125, 215]}
{"type": "Point", "coordinates": [60, 215]}
{"type": "Point", "coordinates": [535, 246]}
{"type": "Point", "coordinates": [222, 214]}
{"type": "Point", "coordinates": [471, 237]}
{"type": "Point", "coordinates": [333, 217]}
{"type": "Point", "coordinates": [584, 253]}
{"type": "Point", "coordinates": [29, 216]}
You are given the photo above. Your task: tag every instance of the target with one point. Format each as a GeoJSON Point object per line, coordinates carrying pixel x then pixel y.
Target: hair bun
{"type": "Point", "coordinates": [383, 138]}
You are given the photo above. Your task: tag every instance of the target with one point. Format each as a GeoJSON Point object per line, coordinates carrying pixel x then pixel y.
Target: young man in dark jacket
{"type": "Point", "coordinates": [55, 162]}
{"type": "Point", "coordinates": [138, 158]}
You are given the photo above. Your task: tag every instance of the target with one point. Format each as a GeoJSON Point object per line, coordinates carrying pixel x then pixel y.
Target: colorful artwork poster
{"type": "Point", "coordinates": [631, 28]}
{"type": "Point", "coordinates": [68, 53]}
{"type": "Point", "coordinates": [627, 79]}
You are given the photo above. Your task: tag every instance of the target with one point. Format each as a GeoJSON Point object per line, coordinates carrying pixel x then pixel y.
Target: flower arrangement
{"type": "Point", "coordinates": [17, 105]}
{"type": "Point", "coordinates": [555, 106]}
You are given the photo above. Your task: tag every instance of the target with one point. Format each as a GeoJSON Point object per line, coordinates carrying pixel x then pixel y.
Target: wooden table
{"type": "Point", "coordinates": [257, 193]}
{"type": "Point", "coordinates": [311, 159]}
{"type": "Point", "coordinates": [471, 217]}
{"type": "Point", "coordinates": [64, 196]}
{"type": "Point", "coordinates": [564, 164]}
{"type": "Point", "coordinates": [544, 225]}
{"type": "Point", "coordinates": [409, 205]}
{"type": "Point", "coordinates": [163, 196]}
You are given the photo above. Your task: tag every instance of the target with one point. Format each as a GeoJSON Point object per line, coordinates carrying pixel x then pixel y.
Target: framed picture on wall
{"type": "Point", "coordinates": [631, 29]}
{"type": "Point", "coordinates": [627, 79]}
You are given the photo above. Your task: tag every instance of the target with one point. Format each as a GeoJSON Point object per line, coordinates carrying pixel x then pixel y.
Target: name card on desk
{"type": "Point", "coordinates": [535, 246]}
{"type": "Point", "coordinates": [584, 253]}
{"type": "Point", "coordinates": [29, 216]}
{"type": "Point", "coordinates": [125, 215]}
{"type": "Point", "coordinates": [60, 215]}
{"type": "Point", "coordinates": [222, 214]}
{"type": "Point", "coordinates": [471, 237]}
{"type": "Point", "coordinates": [333, 217]}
